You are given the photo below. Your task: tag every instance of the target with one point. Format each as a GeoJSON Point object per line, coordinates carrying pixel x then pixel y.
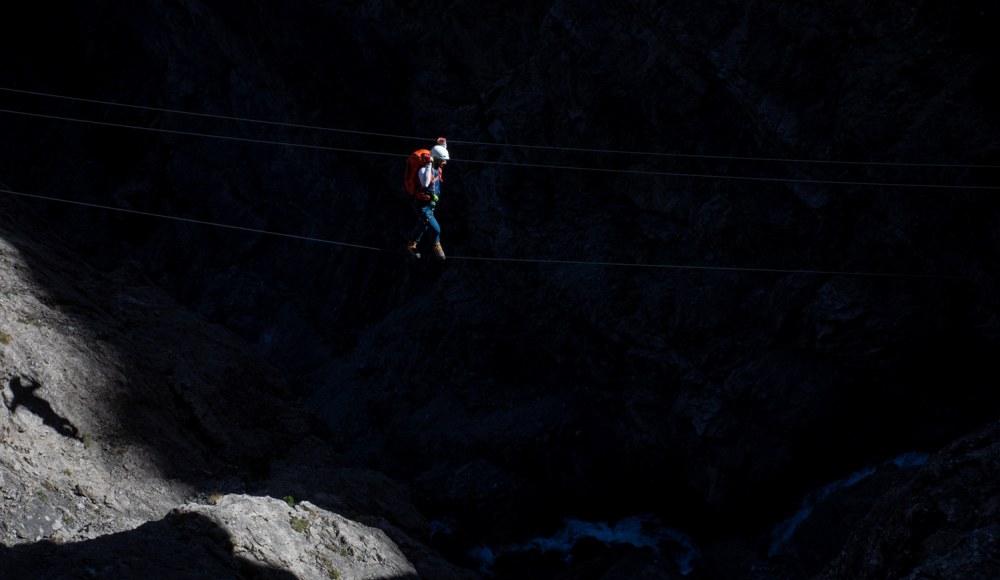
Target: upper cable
{"type": "Point", "coordinates": [514, 145]}
{"type": "Point", "coordinates": [506, 163]}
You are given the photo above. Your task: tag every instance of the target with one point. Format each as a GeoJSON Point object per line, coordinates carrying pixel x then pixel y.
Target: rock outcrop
{"type": "Point", "coordinates": [124, 416]}
{"type": "Point", "coordinates": [116, 397]}
{"type": "Point", "coordinates": [937, 521]}
{"type": "Point", "coordinates": [832, 521]}
{"type": "Point", "coordinates": [943, 524]}
{"type": "Point", "coordinates": [239, 536]}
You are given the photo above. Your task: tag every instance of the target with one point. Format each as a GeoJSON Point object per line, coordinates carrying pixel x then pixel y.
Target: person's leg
{"type": "Point", "coordinates": [421, 227]}
{"type": "Point", "coordinates": [438, 251]}
{"type": "Point", "coordinates": [432, 222]}
{"type": "Point", "coordinates": [418, 232]}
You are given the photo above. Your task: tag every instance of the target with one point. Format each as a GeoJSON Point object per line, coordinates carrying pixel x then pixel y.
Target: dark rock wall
{"type": "Point", "coordinates": [819, 538]}
{"type": "Point", "coordinates": [689, 392]}
{"type": "Point", "coordinates": [942, 524]}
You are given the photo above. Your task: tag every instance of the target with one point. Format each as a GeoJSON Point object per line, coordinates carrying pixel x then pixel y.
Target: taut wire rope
{"type": "Point", "coordinates": [504, 163]}
{"type": "Point", "coordinates": [476, 143]}
{"type": "Point", "coordinates": [486, 259]}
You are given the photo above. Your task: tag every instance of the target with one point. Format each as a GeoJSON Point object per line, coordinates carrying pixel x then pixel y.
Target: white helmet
{"type": "Point", "coordinates": [440, 152]}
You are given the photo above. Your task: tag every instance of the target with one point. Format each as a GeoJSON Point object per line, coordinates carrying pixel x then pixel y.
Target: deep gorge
{"type": "Point", "coordinates": [511, 395]}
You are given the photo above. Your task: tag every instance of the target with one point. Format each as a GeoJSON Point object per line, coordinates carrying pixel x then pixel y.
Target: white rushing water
{"type": "Point", "coordinates": [643, 531]}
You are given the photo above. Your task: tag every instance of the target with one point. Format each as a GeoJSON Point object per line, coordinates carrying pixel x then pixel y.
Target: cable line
{"type": "Point", "coordinates": [879, 274]}
{"type": "Point", "coordinates": [202, 134]}
{"type": "Point", "coordinates": [208, 115]}
{"type": "Point", "coordinates": [690, 155]}
{"type": "Point", "coordinates": [532, 165]}
{"type": "Point", "coordinates": [170, 217]}
{"type": "Point", "coordinates": [732, 157]}
{"type": "Point", "coordinates": [523, 260]}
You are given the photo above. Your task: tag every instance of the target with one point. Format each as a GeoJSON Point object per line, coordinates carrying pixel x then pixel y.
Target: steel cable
{"type": "Point", "coordinates": [479, 144]}
{"type": "Point", "coordinates": [504, 163]}
{"type": "Point", "coordinates": [488, 259]}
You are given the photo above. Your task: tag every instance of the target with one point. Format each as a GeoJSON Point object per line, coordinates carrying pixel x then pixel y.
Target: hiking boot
{"type": "Point", "coordinates": [438, 251]}
{"type": "Point", "coordinates": [411, 249]}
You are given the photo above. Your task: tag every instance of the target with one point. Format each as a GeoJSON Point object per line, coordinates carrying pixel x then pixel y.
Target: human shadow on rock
{"type": "Point", "coordinates": [24, 396]}
{"type": "Point", "coordinates": [136, 384]}
{"type": "Point", "coordinates": [138, 367]}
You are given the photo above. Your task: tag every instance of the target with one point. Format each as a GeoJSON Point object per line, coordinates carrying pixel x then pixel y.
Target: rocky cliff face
{"type": "Point", "coordinates": [938, 520]}
{"type": "Point", "coordinates": [945, 523]}
{"type": "Point", "coordinates": [513, 393]}
{"type": "Point", "coordinates": [124, 416]}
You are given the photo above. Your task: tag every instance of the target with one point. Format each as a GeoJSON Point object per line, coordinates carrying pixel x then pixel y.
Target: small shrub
{"type": "Point", "coordinates": [334, 573]}
{"type": "Point", "coordinates": [214, 498]}
{"type": "Point", "coordinates": [49, 486]}
{"type": "Point", "coordinates": [359, 558]}
{"type": "Point", "coordinates": [87, 441]}
{"type": "Point", "coordinates": [68, 520]}
{"type": "Point", "coordinates": [6, 295]}
{"type": "Point", "coordinates": [41, 496]}
{"type": "Point", "coordinates": [4, 337]}
{"type": "Point", "coordinates": [31, 322]}
{"type": "Point", "coordinates": [299, 525]}
{"type": "Point", "coordinates": [344, 553]}
{"type": "Point", "coordinates": [69, 472]}
{"type": "Point", "coordinates": [289, 500]}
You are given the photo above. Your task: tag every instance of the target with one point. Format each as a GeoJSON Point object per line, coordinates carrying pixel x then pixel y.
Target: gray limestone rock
{"type": "Point", "coordinates": [122, 412]}
{"type": "Point", "coordinates": [305, 540]}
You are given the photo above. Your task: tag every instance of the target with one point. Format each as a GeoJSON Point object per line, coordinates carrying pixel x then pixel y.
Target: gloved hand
{"type": "Point", "coordinates": [434, 198]}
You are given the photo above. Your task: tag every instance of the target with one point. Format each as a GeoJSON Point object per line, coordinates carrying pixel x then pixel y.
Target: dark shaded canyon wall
{"type": "Point", "coordinates": [943, 524]}
{"type": "Point", "coordinates": [740, 388]}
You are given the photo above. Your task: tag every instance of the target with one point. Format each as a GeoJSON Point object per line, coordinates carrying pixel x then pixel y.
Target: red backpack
{"type": "Point", "coordinates": [410, 179]}
{"type": "Point", "coordinates": [413, 165]}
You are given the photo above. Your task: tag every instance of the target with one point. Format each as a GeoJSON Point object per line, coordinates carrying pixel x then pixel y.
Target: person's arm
{"type": "Point", "coordinates": [425, 176]}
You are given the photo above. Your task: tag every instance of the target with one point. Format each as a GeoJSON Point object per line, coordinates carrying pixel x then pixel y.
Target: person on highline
{"type": "Point", "coordinates": [425, 197]}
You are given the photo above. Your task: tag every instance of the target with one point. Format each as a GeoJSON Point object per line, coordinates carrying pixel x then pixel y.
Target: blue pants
{"type": "Point", "coordinates": [426, 215]}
